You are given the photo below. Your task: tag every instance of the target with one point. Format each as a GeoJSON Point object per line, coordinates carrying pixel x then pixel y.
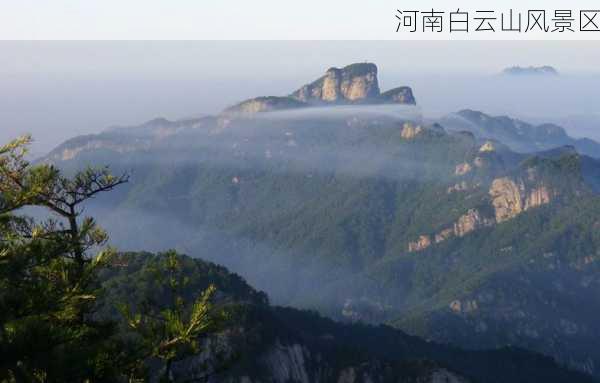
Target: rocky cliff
{"type": "Point", "coordinates": [355, 83]}
{"type": "Point", "coordinates": [294, 362]}
{"type": "Point", "coordinates": [510, 198]}
{"type": "Point", "coordinates": [507, 196]}
{"type": "Point", "coordinates": [400, 95]}
{"type": "Point", "coordinates": [466, 223]}
{"type": "Point", "coordinates": [352, 84]}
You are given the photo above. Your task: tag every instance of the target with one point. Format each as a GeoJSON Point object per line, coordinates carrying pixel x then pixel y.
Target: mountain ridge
{"type": "Point", "coordinates": [519, 135]}
{"type": "Point", "coordinates": [265, 343]}
{"type": "Point", "coordinates": [321, 209]}
{"type": "Point", "coordinates": [545, 70]}
{"type": "Point", "coordinates": [353, 84]}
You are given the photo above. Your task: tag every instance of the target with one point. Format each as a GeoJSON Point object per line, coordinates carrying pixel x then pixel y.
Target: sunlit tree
{"type": "Point", "coordinates": [169, 331]}
{"type": "Point", "coordinates": [48, 284]}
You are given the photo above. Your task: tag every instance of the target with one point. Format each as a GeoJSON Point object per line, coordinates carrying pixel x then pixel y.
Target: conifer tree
{"type": "Point", "coordinates": [48, 284]}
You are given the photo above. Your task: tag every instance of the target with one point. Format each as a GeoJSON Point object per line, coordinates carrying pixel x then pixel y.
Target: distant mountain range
{"type": "Point", "coordinates": [518, 135]}
{"type": "Point", "coordinates": [531, 70]}
{"type": "Point", "coordinates": [474, 230]}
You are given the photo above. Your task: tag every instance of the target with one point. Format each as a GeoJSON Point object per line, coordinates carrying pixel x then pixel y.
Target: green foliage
{"type": "Point", "coordinates": [47, 280]}
{"type": "Point", "coordinates": [171, 332]}
{"type": "Point", "coordinates": [260, 328]}
{"type": "Point", "coordinates": [51, 328]}
{"type": "Point", "coordinates": [328, 221]}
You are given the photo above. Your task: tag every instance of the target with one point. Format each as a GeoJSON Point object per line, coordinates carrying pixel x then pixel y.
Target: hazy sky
{"type": "Point", "coordinates": [56, 90]}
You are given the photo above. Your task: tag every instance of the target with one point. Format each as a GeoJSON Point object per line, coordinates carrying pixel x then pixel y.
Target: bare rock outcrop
{"type": "Point", "coordinates": [470, 221]}
{"type": "Point", "coordinates": [423, 242]}
{"type": "Point", "coordinates": [410, 130]}
{"type": "Point", "coordinates": [536, 197]}
{"type": "Point", "coordinates": [466, 223]}
{"type": "Point", "coordinates": [352, 83]}
{"type": "Point", "coordinates": [400, 95]}
{"type": "Point", "coordinates": [506, 198]}
{"type": "Point", "coordinates": [488, 146]}
{"type": "Point", "coordinates": [282, 362]}
{"type": "Point", "coordinates": [510, 198]}
{"type": "Point", "coordinates": [465, 306]}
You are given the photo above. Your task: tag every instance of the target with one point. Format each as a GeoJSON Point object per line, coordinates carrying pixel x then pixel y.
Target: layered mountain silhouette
{"type": "Point", "coordinates": [545, 70]}
{"type": "Point", "coordinates": [473, 230]}
{"type": "Point", "coordinates": [519, 135]}
{"type": "Point", "coordinates": [266, 343]}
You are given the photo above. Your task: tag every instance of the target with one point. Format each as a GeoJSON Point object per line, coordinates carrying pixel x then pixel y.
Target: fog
{"type": "Point", "coordinates": [56, 90]}
{"type": "Point", "coordinates": [357, 141]}
{"type": "Point", "coordinates": [166, 205]}
{"type": "Point", "coordinates": [292, 155]}
{"type": "Point", "coordinates": [364, 112]}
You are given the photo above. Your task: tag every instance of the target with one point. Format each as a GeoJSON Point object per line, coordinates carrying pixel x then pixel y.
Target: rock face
{"type": "Point", "coordinates": [288, 363]}
{"type": "Point", "coordinates": [458, 306]}
{"type": "Point", "coordinates": [466, 223]}
{"type": "Point", "coordinates": [355, 82]}
{"type": "Point", "coordinates": [282, 362]}
{"type": "Point", "coordinates": [423, 242]}
{"type": "Point", "coordinates": [470, 221]}
{"type": "Point", "coordinates": [410, 131]}
{"type": "Point", "coordinates": [510, 198]}
{"type": "Point", "coordinates": [400, 95]}
{"type": "Point", "coordinates": [538, 196]}
{"type": "Point", "coordinates": [506, 198]}
{"type": "Point", "coordinates": [352, 84]}
{"type": "Point", "coordinates": [443, 235]}
{"type": "Point", "coordinates": [488, 147]}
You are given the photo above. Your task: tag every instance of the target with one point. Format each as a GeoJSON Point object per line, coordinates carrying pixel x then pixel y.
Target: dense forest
{"type": "Point", "coordinates": [76, 310]}
{"type": "Point", "coordinates": [330, 235]}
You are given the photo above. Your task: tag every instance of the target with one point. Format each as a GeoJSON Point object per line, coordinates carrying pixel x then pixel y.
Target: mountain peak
{"type": "Point", "coordinates": [356, 69]}
{"type": "Point", "coordinates": [545, 70]}
{"type": "Point", "coordinates": [353, 84]}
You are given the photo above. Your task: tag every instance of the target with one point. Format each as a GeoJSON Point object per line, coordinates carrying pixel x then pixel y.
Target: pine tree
{"type": "Point", "coordinates": [48, 284]}
{"type": "Point", "coordinates": [169, 331]}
